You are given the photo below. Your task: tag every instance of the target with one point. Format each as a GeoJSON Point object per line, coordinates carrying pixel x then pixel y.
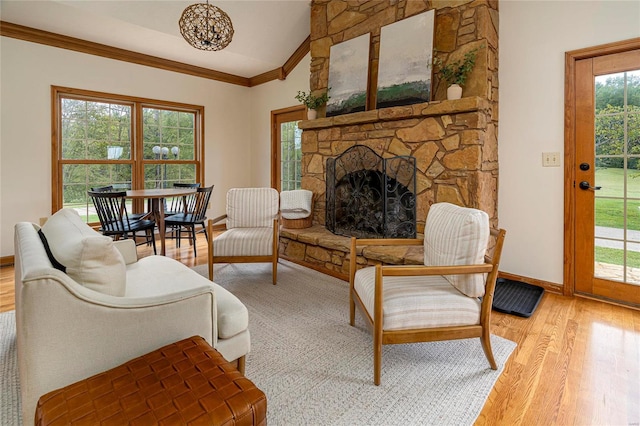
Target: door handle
{"type": "Point", "coordinates": [584, 185]}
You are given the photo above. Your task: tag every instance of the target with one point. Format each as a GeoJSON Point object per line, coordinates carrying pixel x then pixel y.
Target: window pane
{"type": "Point", "coordinates": [633, 90]}
{"type": "Point", "coordinates": [165, 175]}
{"type": "Point", "coordinates": [89, 128]}
{"type": "Point", "coordinates": [168, 135]}
{"type": "Point", "coordinates": [77, 179]}
{"type": "Point", "coordinates": [633, 134]}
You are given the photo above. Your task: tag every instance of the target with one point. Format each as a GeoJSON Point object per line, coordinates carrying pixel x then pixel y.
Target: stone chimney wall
{"type": "Point", "coordinates": [454, 142]}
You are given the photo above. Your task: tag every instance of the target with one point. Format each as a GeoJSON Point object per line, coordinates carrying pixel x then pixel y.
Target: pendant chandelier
{"type": "Point", "coordinates": [206, 27]}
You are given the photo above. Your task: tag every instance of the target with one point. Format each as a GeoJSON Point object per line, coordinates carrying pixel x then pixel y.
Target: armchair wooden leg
{"type": "Point", "coordinates": [241, 363]}
{"type": "Point", "coordinates": [352, 310]}
{"type": "Point", "coordinates": [377, 359]}
{"type": "Point", "coordinates": [274, 250]}
{"type": "Point", "coordinates": [274, 272]}
{"type": "Point", "coordinates": [486, 346]}
{"type": "Point", "coordinates": [210, 246]}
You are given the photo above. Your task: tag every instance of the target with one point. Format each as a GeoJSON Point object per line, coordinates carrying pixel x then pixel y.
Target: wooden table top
{"type": "Point", "coordinates": [159, 192]}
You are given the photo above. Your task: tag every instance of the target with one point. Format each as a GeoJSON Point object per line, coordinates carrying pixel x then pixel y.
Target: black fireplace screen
{"type": "Point", "coordinates": [369, 196]}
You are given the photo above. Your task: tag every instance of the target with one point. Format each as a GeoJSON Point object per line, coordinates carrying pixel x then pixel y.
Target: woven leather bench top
{"type": "Point", "coordinates": [185, 383]}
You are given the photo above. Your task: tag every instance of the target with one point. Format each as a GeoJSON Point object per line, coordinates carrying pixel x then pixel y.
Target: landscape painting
{"type": "Point", "coordinates": [348, 71]}
{"type": "Point", "coordinates": [404, 70]}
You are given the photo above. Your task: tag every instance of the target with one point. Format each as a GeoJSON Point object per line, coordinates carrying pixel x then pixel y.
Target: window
{"type": "Point", "coordinates": [131, 143]}
{"type": "Point", "coordinates": [290, 156]}
{"type": "Point", "coordinates": [286, 165]}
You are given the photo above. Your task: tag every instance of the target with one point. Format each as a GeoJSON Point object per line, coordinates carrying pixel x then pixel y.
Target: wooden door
{"type": "Point", "coordinates": [286, 148]}
{"type": "Point", "coordinates": [606, 177]}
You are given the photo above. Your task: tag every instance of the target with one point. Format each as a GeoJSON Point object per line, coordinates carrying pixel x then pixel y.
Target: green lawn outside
{"type": "Point", "coordinates": [609, 211]}
{"type": "Point", "coordinates": [615, 257]}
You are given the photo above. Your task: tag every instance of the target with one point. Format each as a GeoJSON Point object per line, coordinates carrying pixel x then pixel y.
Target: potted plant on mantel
{"type": "Point", "coordinates": [456, 73]}
{"type": "Point", "coordinates": [312, 102]}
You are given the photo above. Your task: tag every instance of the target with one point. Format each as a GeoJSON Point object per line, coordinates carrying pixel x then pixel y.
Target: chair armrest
{"type": "Point", "coordinates": [415, 270]}
{"type": "Point", "coordinates": [355, 242]}
{"type": "Point", "coordinates": [220, 227]}
{"type": "Point", "coordinates": [127, 249]}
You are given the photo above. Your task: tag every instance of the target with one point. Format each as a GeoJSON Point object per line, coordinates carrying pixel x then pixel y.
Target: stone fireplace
{"type": "Point", "coordinates": [454, 142]}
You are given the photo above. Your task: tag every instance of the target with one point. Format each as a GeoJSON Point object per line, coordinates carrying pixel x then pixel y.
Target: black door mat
{"type": "Point", "coordinates": [516, 298]}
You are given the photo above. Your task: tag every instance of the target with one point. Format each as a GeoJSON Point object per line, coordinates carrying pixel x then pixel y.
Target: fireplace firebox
{"type": "Point", "coordinates": [369, 196]}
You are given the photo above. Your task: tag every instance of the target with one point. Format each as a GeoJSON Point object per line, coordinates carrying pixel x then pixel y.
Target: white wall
{"type": "Point", "coordinates": [534, 35]}
{"type": "Point", "coordinates": [27, 72]}
{"type": "Point", "coordinates": [533, 38]}
{"type": "Point", "coordinates": [264, 99]}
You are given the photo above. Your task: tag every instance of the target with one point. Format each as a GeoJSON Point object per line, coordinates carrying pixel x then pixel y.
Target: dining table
{"type": "Point", "coordinates": [156, 197]}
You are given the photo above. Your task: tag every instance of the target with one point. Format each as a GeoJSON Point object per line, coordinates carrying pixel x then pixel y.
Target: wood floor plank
{"type": "Point", "coordinates": [577, 361]}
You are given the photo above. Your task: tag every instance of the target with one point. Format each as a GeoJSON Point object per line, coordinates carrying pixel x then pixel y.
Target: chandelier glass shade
{"type": "Point", "coordinates": [206, 27]}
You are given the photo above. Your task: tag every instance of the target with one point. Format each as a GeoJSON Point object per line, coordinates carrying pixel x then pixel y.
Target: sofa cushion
{"type": "Point", "coordinates": [455, 235]}
{"type": "Point", "coordinates": [244, 242]}
{"type": "Point", "coordinates": [408, 306]}
{"type": "Point", "coordinates": [153, 276]}
{"type": "Point", "coordinates": [89, 257]}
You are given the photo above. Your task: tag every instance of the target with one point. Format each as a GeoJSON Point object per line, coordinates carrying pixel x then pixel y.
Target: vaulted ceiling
{"type": "Point", "coordinates": [267, 32]}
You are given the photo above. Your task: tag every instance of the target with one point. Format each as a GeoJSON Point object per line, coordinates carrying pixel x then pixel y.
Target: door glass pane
{"type": "Point", "coordinates": [290, 156]}
{"type": "Point", "coordinates": [617, 204]}
{"type": "Point", "coordinates": [610, 176]}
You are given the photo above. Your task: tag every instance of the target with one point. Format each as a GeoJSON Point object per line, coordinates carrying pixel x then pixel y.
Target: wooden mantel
{"type": "Point", "coordinates": [427, 109]}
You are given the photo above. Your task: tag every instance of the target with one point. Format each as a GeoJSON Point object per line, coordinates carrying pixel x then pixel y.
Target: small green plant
{"type": "Point", "coordinates": [311, 101]}
{"type": "Point", "coordinates": [456, 72]}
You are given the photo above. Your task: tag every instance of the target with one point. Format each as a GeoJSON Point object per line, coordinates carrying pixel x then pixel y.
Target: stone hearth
{"type": "Point", "coordinates": [319, 249]}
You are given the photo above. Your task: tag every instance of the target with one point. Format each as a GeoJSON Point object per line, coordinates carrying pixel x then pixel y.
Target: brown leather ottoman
{"type": "Point", "coordinates": [185, 383]}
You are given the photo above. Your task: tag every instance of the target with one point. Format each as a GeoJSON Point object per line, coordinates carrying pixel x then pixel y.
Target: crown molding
{"type": "Point", "coordinates": [282, 72]}
{"type": "Point", "coordinates": [34, 35]}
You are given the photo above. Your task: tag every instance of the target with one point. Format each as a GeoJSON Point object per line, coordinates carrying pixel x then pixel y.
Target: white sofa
{"type": "Point", "coordinates": [107, 307]}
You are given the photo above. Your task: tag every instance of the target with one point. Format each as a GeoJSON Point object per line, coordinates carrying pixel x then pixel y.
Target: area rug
{"type": "Point", "coordinates": [318, 370]}
{"type": "Point", "coordinates": [10, 407]}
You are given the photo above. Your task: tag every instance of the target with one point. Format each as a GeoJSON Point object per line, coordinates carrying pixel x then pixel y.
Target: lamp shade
{"type": "Point", "coordinates": [206, 27]}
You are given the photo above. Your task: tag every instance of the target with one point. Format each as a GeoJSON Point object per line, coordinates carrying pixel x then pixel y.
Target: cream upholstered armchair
{"type": "Point", "coordinates": [251, 229]}
{"type": "Point", "coordinates": [448, 298]}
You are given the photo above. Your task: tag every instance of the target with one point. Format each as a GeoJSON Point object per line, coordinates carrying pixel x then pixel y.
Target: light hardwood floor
{"type": "Point", "coordinates": [577, 360]}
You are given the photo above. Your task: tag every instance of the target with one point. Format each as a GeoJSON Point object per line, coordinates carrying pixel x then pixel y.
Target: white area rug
{"type": "Point", "coordinates": [318, 370]}
{"type": "Point", "coordinates": [10, 407]}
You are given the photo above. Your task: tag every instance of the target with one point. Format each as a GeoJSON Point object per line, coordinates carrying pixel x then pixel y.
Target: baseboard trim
{"type": "Point", "coordinates": [7, 261]}
{"type": "Point", "coordinates": [548, 286]}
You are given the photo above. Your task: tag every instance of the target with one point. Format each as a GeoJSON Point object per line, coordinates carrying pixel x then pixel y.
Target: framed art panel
{"type": "Point", "coordinates": [404, 68]}
{"type": "Point", "coordinates": [348, 72]}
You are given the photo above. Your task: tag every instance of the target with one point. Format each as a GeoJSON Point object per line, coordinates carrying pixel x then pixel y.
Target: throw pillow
{"type": "Point", "coordinates": [90, 258]}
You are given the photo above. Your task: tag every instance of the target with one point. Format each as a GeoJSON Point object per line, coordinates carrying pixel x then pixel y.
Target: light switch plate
{"type": "Point", "coordinates": [550, 159]}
